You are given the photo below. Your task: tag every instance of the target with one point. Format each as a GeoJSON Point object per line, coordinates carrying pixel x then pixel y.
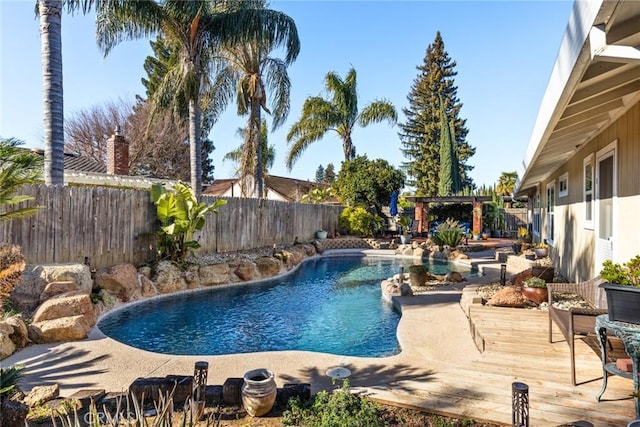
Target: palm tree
{"type": "Point", "coordinates": [18, 167]}
{"type": "Point", "coordinates": [195, 29]}
{"type": "Point", "coordinates": [269, 152]}
{"type": "Point", "coordinates": [50, 13]}
{"type": "Point", "coordinates": [339, 114]}
{"type": "Point", "coordinates": [247, 73]}
{"type": "Point", "coordinates": [506, 183]}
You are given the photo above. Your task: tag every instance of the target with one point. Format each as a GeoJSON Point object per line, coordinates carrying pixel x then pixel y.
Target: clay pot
{"type": "Point", "coordinates": [536, 295]}
{"type": "Point", "coordinates": [258, 392]}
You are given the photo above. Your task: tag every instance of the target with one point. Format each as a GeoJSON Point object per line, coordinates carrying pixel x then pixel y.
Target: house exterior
{"type": "Point", "coordinates": [581, 171]}
{"type": "Point", "coordinates": [276, 188]}
{"type": "Point", "coordinates": [83, 170]}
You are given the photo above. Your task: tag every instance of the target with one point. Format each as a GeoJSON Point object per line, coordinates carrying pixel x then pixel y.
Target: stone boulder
{"type": "Point", "coordinates": [120, 280]}
{"type": "Point", "coordinates": [192, 276]}
{"type": "Point", "coordinates": [247, 271]}
{"type": "Point", "coordinates": [391, 288]}
{"type": "Point", "coordinates": [214, 274]}
{"type": "Point", "coordinates": [268, 266]}
{"type": "Point", "coordinates": [56, 288]}
{"type": "Point", "coordinates": [293, 256]}
{"type": "Point", "coordinates": [42, 394]}
{"type": "Point", "coordinates": [510, 296]}
{"type": "Point", "coordinates": [148, 287]}
{"type": "Point", "coordinates": [309, 249]}
{"type": "Point", "coordinates": [65, 305]}
{"type": "Point", "coordinates": [27, 295]}
{"type": "Point", "coordinates": [7, 347]}
{"type": "Point", "coordinates": [20, 335]}
{"type": "Point", "coordinates": [71, 328]}
{"type": "Point", "coordinates": [14, 413]}
{"type": "Point", "coordinates": [168, 278]}
{"type": "Point", "coordinates": [454, 276]}
{"type": "Point", "coordinates": [65, 317]}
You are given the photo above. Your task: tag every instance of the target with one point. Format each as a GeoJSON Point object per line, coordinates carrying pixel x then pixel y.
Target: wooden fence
{"type": "Point", "coordinates": [111, 226]}
{"type": "Point", "coordinates": [514, 218]}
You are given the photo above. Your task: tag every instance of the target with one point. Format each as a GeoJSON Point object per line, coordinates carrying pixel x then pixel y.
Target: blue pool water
{"type": "Point", "coordinates": [330, 305]}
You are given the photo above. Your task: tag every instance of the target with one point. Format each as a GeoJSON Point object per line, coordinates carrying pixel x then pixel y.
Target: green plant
{"type": "Point", "coordinates": [9, 378]}
{"type": "Point", "coordinates": [523, 233]}
{"type": "Point", "coordinates": [358, 221]}
{"type": "Point", "coordinates": [317, 195]}
{"type": "Point", "coordinates": [338, 408]}
{"type": "Point", "coordinates": [534, 282]}
{"type": "Point", "coordinates": [180, 215]}
{"type": "Point", "coordinates": [627, 274]}
{"type": "Point", "coordinates": [18, 167]}
{"type": "Point", "coordinates": [418, 269]}
{"type": "Point", "coordinates": [448, 233]}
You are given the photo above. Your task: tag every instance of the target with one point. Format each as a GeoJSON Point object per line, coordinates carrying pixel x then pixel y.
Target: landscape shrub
{"type": "Point", "coordinates": [338, 408]}
{"type": "Point", "coordinates": [449, 233]}
{"type": "Point", "coordinates": [359, 222]}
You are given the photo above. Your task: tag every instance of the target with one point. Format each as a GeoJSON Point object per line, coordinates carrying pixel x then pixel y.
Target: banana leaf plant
{"type": "Point", "coordinates": [180, 215]}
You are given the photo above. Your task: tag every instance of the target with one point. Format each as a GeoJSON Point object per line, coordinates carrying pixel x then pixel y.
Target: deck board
{"type": "Point", "coordinates": [516, 348]}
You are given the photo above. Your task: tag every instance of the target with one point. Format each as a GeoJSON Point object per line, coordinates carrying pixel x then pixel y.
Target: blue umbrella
{"type": "Point", "coordinates": [393, 205]}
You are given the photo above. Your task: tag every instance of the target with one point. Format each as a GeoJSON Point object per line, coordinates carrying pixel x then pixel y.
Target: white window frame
{"type": "Point", "coordinates": [563, 180]}
{"type": "Point", "coordinates": [536, 220]}
{"type": "Point", "coordinates": [588, 223]}
{"type": "Point", "coordinates": [550, 212]}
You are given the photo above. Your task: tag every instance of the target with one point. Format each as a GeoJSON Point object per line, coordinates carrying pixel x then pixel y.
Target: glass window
{"type": "Point", "coordinates": [563, 185]}
{"type": "Point", "coordinates": [588, 192]}
{"type": "Point", "coordinates": [536, 214]}
{"type": "Point", "coordinates": [551, 204]}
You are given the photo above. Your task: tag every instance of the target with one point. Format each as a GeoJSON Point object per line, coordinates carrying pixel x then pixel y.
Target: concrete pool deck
{"type": "Point", "coordinates": [99, 362]}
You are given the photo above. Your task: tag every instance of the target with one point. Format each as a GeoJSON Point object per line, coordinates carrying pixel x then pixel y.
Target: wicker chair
{"type": "Point", "coordinates": [577, 321]}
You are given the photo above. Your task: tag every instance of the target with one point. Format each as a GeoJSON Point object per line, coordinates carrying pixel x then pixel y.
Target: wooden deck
{"type": "Point", "coordinates": [516, 349]}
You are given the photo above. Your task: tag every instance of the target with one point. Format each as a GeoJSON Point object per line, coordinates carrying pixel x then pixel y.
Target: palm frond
{"type": "Point", "coordinates": [277, 80]}
{"type": "Point", "coordinates": [121, 20]}
{"type": "Point", "coordinates": [376, 112]}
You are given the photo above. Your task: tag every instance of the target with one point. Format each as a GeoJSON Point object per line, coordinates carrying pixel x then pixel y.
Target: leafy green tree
{"type": "Point", "coordinates": [269, 157]}
{"type": "Point", "coordinates": [195, 29]}
{"type": "Point", "coordinates": [420, 133]}
{"type": "Point", "coordinates": [339, 113]}
{"type": "Point", "coordinates": [248, 74]}
{"type": "Point", "coordinates": [368, 183]}
{"type": "Point", "coordinates": [317, 196]}
{"type": "Point", "coordinates": [320, 174]}
{"type": "Point", "coordinates": [50, 14]}
{"type": "Point", "coordinates": [18, 167]}
{"type": "Point", "coordinates": [330, 174]}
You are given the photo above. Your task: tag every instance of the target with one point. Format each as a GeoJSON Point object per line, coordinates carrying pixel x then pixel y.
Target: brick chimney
{"type": "Point", "coordinates": [117, 154]}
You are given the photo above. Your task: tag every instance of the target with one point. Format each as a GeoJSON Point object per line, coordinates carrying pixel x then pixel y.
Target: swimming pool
{"type": "Point", "coordinates": [330, 305]}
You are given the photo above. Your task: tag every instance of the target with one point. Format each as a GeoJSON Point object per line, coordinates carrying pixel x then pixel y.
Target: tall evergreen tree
{"type": "Point", "coordinates": [420, 134]}
{"type": "Point", "coordinates": [330, 174]}
{"type": "Point", "coordinates": [320, 174]}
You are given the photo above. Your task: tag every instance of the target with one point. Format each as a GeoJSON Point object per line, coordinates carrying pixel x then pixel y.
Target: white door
{"type": "Point", "coordinates": [605, 208]}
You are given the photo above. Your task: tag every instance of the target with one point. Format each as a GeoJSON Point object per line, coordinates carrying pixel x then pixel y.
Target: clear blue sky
{"type": "Point", "coordinates": [504, 51]}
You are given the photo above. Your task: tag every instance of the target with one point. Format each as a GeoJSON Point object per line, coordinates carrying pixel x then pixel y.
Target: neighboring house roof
{"type": "Point", "coordinates": [85, 170]}
{"type": "Point", "coordinates": [76, 162]}
{"type": "Point", "coordinates": [289, 189]}
{"type": "Point", "coordinates": [595, 80]}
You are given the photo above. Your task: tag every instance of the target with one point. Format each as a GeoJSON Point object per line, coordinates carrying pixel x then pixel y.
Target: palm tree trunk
{"type": "Point", "coordinates": [255, 136]}
{"type": "Point", "coordinates": [194, 146]}
{"type": "Point", "coordinates": [53, 116]}
{"type": "Point", "coordinates": [347, 148]}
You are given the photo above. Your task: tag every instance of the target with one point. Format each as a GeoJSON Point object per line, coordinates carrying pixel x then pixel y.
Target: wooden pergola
{"type": "Point", "coordinates": [421, 213]}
